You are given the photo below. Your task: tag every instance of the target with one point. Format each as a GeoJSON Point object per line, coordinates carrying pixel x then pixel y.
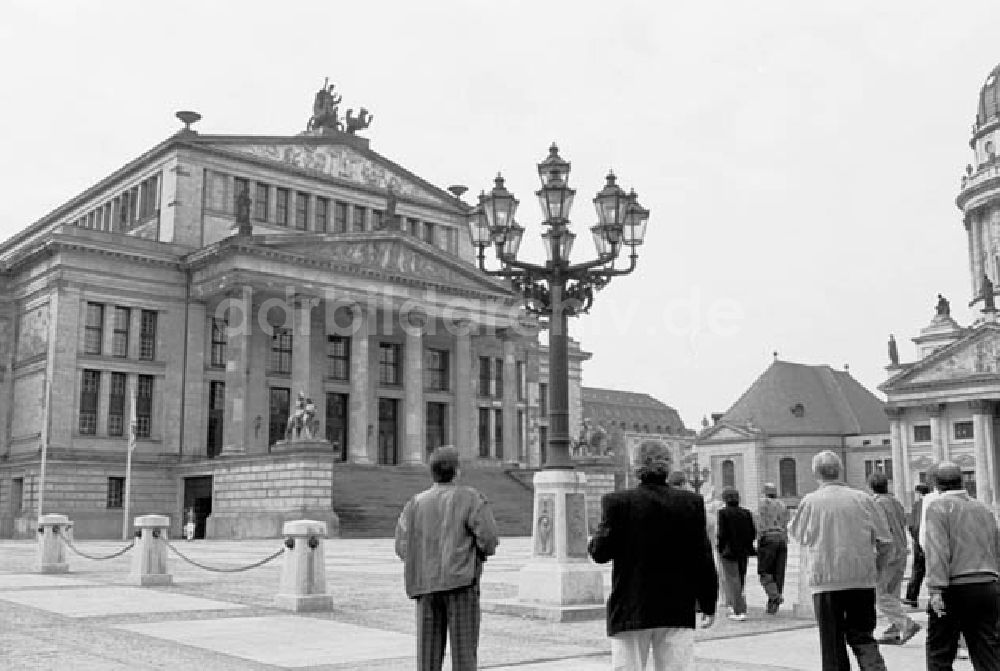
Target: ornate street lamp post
{"type": "Point", "coordinates": [697, 476]}
{"type": "Point", "coordinates": [559, 290]}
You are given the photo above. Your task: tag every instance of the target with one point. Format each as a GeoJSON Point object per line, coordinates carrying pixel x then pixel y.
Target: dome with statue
{"type": "Point", "coordinates": [989, 98]}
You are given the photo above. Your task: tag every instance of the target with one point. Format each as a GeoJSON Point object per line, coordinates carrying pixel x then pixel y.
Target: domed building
{"type": "Point", "coordinates": [944, 404]}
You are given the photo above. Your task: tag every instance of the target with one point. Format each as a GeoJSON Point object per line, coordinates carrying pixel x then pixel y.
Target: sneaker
{"type": "Point", "coordinates": [909, 632]}
{"type": "Point", "coordinates": [738, 617]}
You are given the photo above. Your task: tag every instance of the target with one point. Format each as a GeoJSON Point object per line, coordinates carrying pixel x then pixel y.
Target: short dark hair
{"type": "Point", "coordinates": [878, 482]}
{"type": "Point", "coordinates": [731, 496]}
{"type": "Point", "coordinates": [922, 489]}
{"type": "Point", "coordinates": [444, 463]}
{"type": "Point", "coordinates": [949, 476]}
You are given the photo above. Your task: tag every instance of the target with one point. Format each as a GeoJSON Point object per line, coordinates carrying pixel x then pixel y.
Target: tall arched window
{"type": "Point", "coordinates": [786, 477]}
{"type": "Point", "coordinates": [728, 473]}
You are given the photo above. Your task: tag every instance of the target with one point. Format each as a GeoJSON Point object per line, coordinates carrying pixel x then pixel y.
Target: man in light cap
{"type": "Point", "coordinates": [962, 551]}
{"type": "Point", "coordinates": [772, 546]}
{"type": "Point", "coordinates": [655, 536]}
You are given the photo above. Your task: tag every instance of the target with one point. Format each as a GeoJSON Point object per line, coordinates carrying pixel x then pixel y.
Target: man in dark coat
{"type": "Point", "coordinates": [736, 535]}
{"type": "Point", "coordinates": [656, 537]}
{"type": "Point", "coordinates": [919, 567]}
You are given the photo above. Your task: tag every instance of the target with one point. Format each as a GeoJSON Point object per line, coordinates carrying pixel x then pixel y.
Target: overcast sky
{"type": "Point", "coordinates": [800, 159]}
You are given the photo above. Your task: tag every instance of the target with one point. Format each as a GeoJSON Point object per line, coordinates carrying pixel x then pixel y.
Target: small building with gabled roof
{"type": "Point", "coordinates": [788, 415]}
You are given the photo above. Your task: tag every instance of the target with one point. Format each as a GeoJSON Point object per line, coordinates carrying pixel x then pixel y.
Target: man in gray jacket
{"type": "Point", "coordinates": [444, 535]}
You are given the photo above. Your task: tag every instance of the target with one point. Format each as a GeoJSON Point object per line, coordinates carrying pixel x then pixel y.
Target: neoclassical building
{"type": "Point", "coordinates": [943, 405]}
{"type": "Point", "coordinates": [788, 415]}
{"type": "Point", "coordinates": [197, 291]}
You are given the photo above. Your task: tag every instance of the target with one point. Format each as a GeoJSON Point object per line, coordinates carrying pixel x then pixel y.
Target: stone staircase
{"type": "Point", "coordinates": [368, 499]}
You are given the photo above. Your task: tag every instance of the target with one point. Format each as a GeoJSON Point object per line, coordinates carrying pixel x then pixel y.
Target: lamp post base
{"type": "Point", "coordinates": [559, 582]}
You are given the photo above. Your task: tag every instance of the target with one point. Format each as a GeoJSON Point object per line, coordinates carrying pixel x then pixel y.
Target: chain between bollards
{"type": "Point", "coordinates": [119, 553]}
{"type": "Point", "coordinates": [222, 570]}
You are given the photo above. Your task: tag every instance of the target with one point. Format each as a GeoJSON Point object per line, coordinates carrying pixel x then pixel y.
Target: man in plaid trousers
{"type": "Point", "coordinates": [443, 536]}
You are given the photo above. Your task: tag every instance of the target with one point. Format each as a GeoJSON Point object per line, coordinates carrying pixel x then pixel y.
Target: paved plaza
{"type": "Point", "coordinates": [92, 618]}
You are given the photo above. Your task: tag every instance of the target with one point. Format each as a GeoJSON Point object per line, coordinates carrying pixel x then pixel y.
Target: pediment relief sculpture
{"type": "Point", "coordinates": [978, 357]}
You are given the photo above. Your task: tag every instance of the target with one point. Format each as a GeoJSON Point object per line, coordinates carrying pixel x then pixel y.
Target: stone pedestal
{"type": "Point", "coordinates": [804, 604]}
{"type": "Point", "coordinates": [303, 572]}
{"type": "Point", "coordinates": [303, 445]}
{"type": "Point", "coordinates": [51, 550]}
{"type": "Point", "coordinates": [559, 582]}
{"type": "Point", "coordinates": [149, 556]}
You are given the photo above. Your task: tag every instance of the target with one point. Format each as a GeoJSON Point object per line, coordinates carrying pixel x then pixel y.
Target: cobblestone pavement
{"type": "Point", "coordinates": [92, 618]}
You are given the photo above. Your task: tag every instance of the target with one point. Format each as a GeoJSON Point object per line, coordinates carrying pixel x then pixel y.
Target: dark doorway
{"type": "Point", "coordinates": [387, 431]}
{"type": "Point", "coordinates": [198, 495]}
{"type": "Point", "coordinates": [336, 424]}
{"type": "Point", "coordinates": [216, 417]}
{"type": "Point", "coordinates": [278, 415]}
{"type": "Point", "coordinates": [543, 445]}
{"type": "Point", "coordinates": [436, 433]}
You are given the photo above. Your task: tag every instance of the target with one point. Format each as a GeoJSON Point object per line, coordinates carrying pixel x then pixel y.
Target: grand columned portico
{"type": "Point", "coordinates": [944, 405]}
{"type": "Point", "coordinates": [267, 307]}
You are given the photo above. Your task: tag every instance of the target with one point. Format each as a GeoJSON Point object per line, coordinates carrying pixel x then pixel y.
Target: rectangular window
{"type": "Point", "coordinates": [498, 434]}
{"type": "Point", "coordinates": [520, 434]}
{"type": "Point", "coordinates": [301, 205]}
{"type": "Point", "coordinates": [358, 221]}
{"type": "Point", "coordinates": [969, 482]}
{"type": "Point", "coordinates": [147, 335]}
{"type": "Point", "coordinates": [498, 375]}
{"type": "Point", "coordinates": [119, 336]}
{"type": "Point", "coordinates": [484, 376]}
{"type": "Point", "coordinates": [922, 433]}
{"type": "Point", "coordinates": [543, 400]}
{"type": "Point", "coordinates": [94, 329]}
{"type": "Point", "coordinates": [281, 207]}
{"type": "Point", "coordinates": [150, 196]}
{"type": "Point", "coordinates": [436, 370]}
{"type": "Point", "coordinates": [116, 492]}
{"type": "Point", "coordinates": [322, 214]}
{"type": "Point", "coordinates": [484, 432]}
{"type": "Point", "coordinates": [281, 351]}
{"type": "Point", "coordinates": [963, 431]}
{"type": "Point", "coordinates": [218, 343]}
{"type": "Point", "coordinates": [339, 217]}
{"type": "Point", "coordinates": [278, 414]}
{"type": "Point", "coordinates": [428, 233]}
{"type": "Point", "coordinates": [519, 381]}
{"type": "Point", "coordinates": [388, 363]}
{"type": "Point", "coordinates": [216, 416]}
{"type": "Point", "coordinates": [887, 468]}
{"type": "Point", "coordinates": [89, 393]}
{"type": "Point", "coordinates": [451, 240]}
{"type": "Point", "coordinates": [376, 220]}
{"type": "Point", "coordinates": [338, 357]}
{"type": "Point", "coordinates": [116, 405]}
{"type": "Point", "coordinates": [144, 406]}
{"type": "Point", "coordinates": [17, 495]}
{"type": "Point", "coordinates": [240, 186]}
{"type": "Point", "coordinates": [260, 202]}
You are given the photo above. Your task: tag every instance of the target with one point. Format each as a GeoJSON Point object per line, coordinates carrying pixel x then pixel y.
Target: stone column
{"type": "Point", "coordinates": [194, 407]}
{"type": "Point", "coordinates": [61, 373]}
{"type": "Point", "coordinates": [509, 399]}
{"type": "Point", "coordinates": [939, 437]}
{"type": "Point", "coordinates": [895, 415]}
{"type": "Point", "coordinates": [6, 375]}
{"type": "Point", "coordinates": [464, 396]}
{"type": "Point", "coordinates": [982, 428]}
{"type": "Point", "coordinates": [302, 378]}
{"type": "Point", "coordinates": [906, 471]}
{"type": "Point", "coordinates": [413, 388]}
{"type": "Point", "coordinates": [360, 388]}
{"type": "Point", "coordinates": [236, 422]}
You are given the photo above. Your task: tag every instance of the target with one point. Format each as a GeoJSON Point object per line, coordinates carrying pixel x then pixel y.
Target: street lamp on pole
{"type": "Point", "coordinates": [558, 289]}
{"type": "Point", "coordinates": [559, 575]}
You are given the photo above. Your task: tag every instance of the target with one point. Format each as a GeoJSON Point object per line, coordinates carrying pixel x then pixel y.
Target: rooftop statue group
{"type": "Point", "coordinates": [327, 117]}
{"type": "Point", "coordinates": [943, 309]}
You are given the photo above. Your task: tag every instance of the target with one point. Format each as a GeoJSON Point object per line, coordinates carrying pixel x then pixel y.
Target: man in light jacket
{"type": "Point", "coordinates": [841, 530]}
{"type": "Point", "coordinates": [443, 536]}
{"type": "Point", "coordinates": [890, 576]}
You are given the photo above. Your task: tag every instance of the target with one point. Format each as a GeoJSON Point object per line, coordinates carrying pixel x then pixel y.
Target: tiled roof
{"type": "Point", "coordinates": [832, 402]}
{"type": "Point", "coordinates": [603, 406]}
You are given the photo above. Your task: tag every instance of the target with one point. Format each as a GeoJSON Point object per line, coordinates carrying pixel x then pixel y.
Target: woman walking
{"type": "Point", "coordinates": [736, 535]}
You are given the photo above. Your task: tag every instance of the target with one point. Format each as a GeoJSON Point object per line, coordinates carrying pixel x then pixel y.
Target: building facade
{"type": "Point", "coordinates": [943, 405]}
{"type": "Point", "coordinates": [788, 415]}
{"type": "Point", "coordinates": [196, 293]}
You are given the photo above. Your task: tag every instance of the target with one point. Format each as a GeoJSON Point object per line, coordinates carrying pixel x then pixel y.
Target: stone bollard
{"type": "Point", "coordinates": [303, 572]}
{"type": "Point", "coordinates": [51, 549]}
{"type": "Point", "coordinates": [149, 557]}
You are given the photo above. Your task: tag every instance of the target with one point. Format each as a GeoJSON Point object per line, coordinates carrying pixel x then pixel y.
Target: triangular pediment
{"type": "Point", "coordinates": [345, 160]}
{"type": "Point", "coordinates": [973, 357]}
{"type": "Point", "coordinates": [390, 254]}
{"type": "Point", "coordinates": [721, 432]}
